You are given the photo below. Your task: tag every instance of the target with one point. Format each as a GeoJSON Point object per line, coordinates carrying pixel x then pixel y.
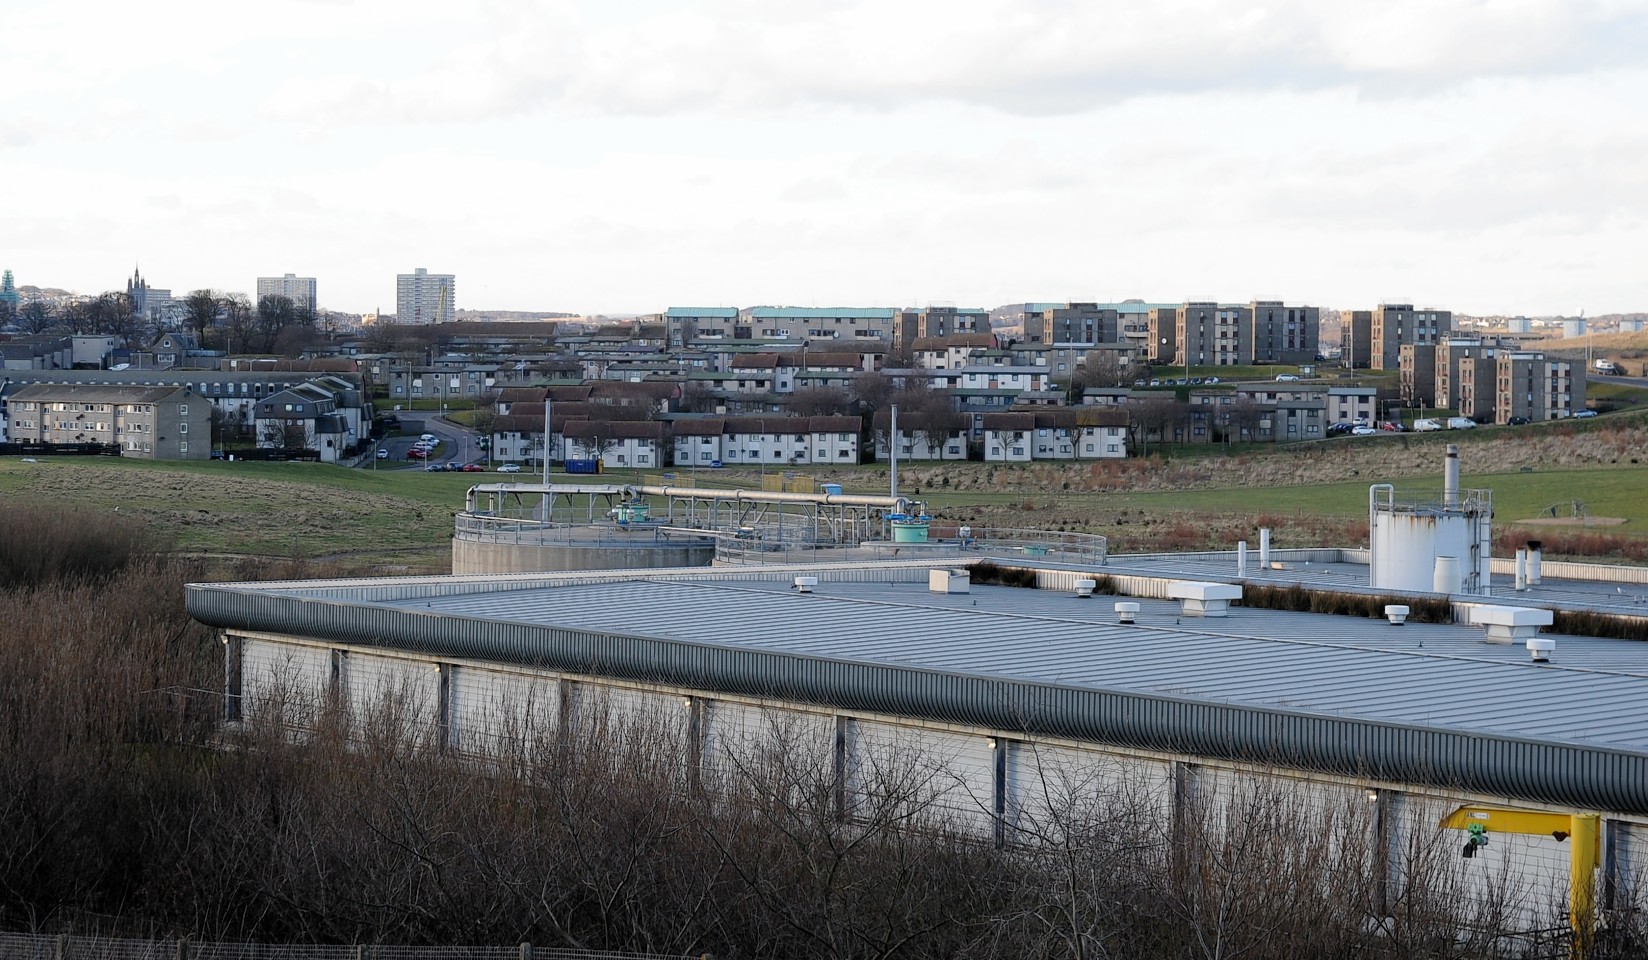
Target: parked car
{"type": "Point", "coordinates": [383, 453]}
{"type": "Point", "coordinates": [1212, 380]}
{"type": "Point", "coordinates": [473, 468]}
{"type": "Point", "coordinates": [429, 438]}
{"type": "Point", "coordinates": [510, 468]}
{"type": "Point", "coordinates": [1363, 430]}
{"type": "Point", "coordinates": [1395, 426]}
{"type": "Point", "coordinates": [1516, 421]}
{"type": "Point", "coordinates": [1585, 414]}
{"type": "Point", "coordinates": [1340, 428]}
{"type": "Point", "coordinates": [1427, 424]}
{"type": "Point", "coordinates": [1286, 376]}
{"type": "Point", "coordinates": [1461, 423]}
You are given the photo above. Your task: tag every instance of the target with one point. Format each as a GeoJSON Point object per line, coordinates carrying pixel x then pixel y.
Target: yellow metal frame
{"type": "Point", "coordinates": [1583, 831]}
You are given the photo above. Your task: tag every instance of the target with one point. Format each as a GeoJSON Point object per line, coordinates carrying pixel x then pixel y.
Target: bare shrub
{"type": "Point", "coordinates": [40, 544]}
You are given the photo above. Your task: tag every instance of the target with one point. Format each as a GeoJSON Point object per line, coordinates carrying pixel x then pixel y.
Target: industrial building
{"type": "Point", "coordinates": [994, 687]}
{"type": "Point", "coordinates": [994, 670]}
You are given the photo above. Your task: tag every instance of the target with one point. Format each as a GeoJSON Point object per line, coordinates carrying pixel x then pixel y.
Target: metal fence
{"type": "Point", "coordinates": [23, 946]}
{"type": "Point", "coordinates": [945, 541]}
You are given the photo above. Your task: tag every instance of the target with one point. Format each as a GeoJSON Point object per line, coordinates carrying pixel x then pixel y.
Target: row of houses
{"type": "Point", "coordinates": [169, 414]}
{"type": "Point", "coordinates": [710, 441]}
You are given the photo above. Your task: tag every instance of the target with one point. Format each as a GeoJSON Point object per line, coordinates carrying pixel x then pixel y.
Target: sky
{"type": "Point", "coordinates": [1485, 156]}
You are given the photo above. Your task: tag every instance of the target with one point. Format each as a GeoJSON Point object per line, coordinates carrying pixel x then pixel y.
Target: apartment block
{"type": "Point", "coordinates": [1418, 373]}
{"type": "Point", "coordinates": [1453, 354]}
{"type": "Point", "coordinates": [1394, 324]}
{"type": "Point", "coordinates": [1356, 339]}
{"type": "Point", "coordinates": [1529, 385]}
{"type": "Point", "coordinates": [299, 290]}
{"type": "Point", "coordinates": [424, 297]}
{"type": "Point", "coordinates": [817, 323]}
{"type": "Point", "coordinates": [1089, 323]}
{"type": "Point", "coordinates": [150, 423]}
{"type": "Point", "coordinates": [934, 322]}
{"type": "Point", "coordinates": [1283, 334]}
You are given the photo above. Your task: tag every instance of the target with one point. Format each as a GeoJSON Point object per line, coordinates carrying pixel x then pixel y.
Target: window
{"type": "Point", "coordinates": [182, 428]}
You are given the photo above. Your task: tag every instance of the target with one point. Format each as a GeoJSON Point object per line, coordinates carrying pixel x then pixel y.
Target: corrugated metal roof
{"type": "Point", "coordinates": [869, 313]}
{"type": "Point", "coordinates": [1421, 703]}
{"type": "Point", "coordinates": [1338, 665]}
{"type": "Point", "coordinates": [723, 313]}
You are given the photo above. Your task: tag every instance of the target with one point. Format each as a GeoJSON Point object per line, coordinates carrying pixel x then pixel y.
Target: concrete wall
{"type": "Point", "coordinates": [484, 557]}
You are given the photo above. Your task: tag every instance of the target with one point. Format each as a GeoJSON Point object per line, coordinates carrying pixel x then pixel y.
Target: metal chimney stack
{"type": "Point", "coordinates": [1450, 478]}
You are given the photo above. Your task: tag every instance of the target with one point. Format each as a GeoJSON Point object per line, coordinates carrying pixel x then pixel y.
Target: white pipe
{"type": "Point", "coordinates": [1373, 537]}
{"type": "Point", "coordinates": [1521, 569]}
{"type": "Point", "coordinates": [1536, 556]}
{"type": "Point", "coordinates": [1264, 548]}
{"type": "Point", "coordinates": [700, 493]}
{"type": "Point", "coordinates": [892, 451]}
{"type": "Point", "coordinates": [1241, 558]}
{"type": "Point", "coordinates": [1450, 477]}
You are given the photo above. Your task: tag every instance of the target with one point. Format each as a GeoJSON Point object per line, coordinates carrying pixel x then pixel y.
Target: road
{"type": "Point", "coordinates": [457, 445]}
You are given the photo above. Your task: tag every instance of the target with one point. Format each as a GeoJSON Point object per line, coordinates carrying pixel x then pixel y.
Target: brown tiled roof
{"type": "Point", "coordinates": [706, 427]}
{"type": "Point", "coordinates": [615, 429]}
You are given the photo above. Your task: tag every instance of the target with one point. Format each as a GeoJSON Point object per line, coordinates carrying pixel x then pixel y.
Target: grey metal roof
{"type": "Point", "coordinates": [1420, 703]}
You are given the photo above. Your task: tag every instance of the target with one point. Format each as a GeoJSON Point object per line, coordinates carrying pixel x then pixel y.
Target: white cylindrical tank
{"type": "Point", "coordinates": [1445, 578]}
{"type": "Point", "coordinates": [1406, 545]}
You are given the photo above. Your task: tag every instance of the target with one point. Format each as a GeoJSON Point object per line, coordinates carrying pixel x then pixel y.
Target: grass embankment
{"type": "Point", "coordinates": [288, 510]}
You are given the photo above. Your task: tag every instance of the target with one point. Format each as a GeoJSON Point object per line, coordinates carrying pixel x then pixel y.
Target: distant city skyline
{"type": "Point", "coordinates": [618, 158]}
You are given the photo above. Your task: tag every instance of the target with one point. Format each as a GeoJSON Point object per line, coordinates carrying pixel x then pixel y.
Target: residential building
{"type": "Point", "coordinates": [1356, 339]}
{"type": "Point", "coordinates": [1453, 354]}
{"type": "Point", "coordinates": [683, 325]}
{"type": "Point", "coordinates": [37, 352]}
{"type": "Point", "coordinates": [299, 290]}
{"type": "Point", "coordinates": [150, 423]}
{"type": "Point", "coordinates": [1008, 437]}
{"type": "Point", "coordinates": [1084, 323]}
{"type": "Point", "coordinates": [922, 435]}
{"type": "Point", "coordinates": [948, 353]}
{"type": "Point", "coordinates": [1259, 332]}
{"type": "Point", "coordinates": [929, 323]}
{"type": "Point", "coordinates": [1394, 324]}
{"type": "Point", "coordinates": [1352, 404]}
{"type": "Point", "coordinates": [616, 443]}
{"type": "Point", "coordinates": [818, 323]}
{"type": "Point", "coordinates": [1418, 373]}
{"type": "Point", "coordinates": [1529, 385]}
{"type": "Point", "coordinates": [305, 417]}
{"type": "Point", "coordinates": [424, 297]}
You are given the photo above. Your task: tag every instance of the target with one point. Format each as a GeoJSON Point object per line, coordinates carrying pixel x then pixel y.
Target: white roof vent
{"type": "Point", "coordinates": [1127, 611]}
{"type": "Point", "coordinates": [1084, 588]}
{"type": "Point", "coordinates": [1396, 613]}
{"type": "Point", "coordinates": [1540, 648]}
{"type": "Point", "coordinates": [804, 584]}
{"type": "Point", "coordinates": [950, 581]}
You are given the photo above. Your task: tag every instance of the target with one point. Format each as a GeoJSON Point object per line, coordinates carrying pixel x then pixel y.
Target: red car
{"type": "Point", "coordinates": [473, 468]}
{"type": "Point", "coordinates": [416, 453]}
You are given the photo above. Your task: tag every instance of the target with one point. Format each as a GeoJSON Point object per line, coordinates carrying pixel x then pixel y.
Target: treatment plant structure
{"type": "Point", "coordinates": [1511, 716]}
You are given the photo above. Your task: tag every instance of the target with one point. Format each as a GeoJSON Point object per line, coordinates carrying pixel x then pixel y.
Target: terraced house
{"type": "Point", "coordinates": [152, 423]}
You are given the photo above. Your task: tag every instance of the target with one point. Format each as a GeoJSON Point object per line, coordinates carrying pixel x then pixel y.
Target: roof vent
{"type": "Point", "coordinates": [1396, 613]}
{"type": "Point", "coordinates": [1127, 611]}
{"type": "Point", "coordinates": [949, 581]}
{"type": "Point", "coordinates": [1084, 588]}
{"type": "Point", "coordinates": [1539, 648]}
{"type": "Point", "coordinates": [804, 584]}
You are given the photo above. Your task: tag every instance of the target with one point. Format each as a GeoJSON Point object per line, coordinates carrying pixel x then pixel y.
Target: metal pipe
{"type": "Point", "coordinates": [694, 493]}
{"type": "Point", "coordinates": [892, 449]}
{"type": "Point", "coordinates": [1264, 548]}
{"type": "Point", "coordinates": [1373, 536]}
{"type": "Point", "coordinates": [1536, 558]}
{"type": "Point", "coordinates": [1522, 569]}
{"type": "Point", "coordinates": [1241, 558]}
{"type": "Point", "coordinates": [1450, 477]}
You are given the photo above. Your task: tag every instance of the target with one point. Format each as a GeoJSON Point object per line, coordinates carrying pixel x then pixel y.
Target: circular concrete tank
{"type": "Point", "coordinates": [482, 545]}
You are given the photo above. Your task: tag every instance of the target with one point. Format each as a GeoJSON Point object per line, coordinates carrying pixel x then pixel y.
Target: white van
{"type": "Point", "coordinates": [1427, 424]}
{"type": "Point", "coordinates": [1461, 423]}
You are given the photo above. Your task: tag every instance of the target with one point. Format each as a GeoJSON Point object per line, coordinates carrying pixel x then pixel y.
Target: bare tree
{"type": "Point", "coordinates": [819, 402]}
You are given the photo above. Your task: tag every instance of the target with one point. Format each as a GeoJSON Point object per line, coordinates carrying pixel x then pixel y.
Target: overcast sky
{"type": "Point", "coordinates": [1485, 155]}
